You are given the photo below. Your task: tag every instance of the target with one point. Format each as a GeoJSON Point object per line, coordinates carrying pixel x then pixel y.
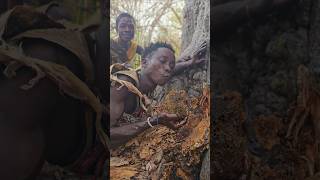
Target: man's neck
{"type": "Point", "coordinates": [124, 44]}
{"type": "Point", "coordinates": [146, 84]}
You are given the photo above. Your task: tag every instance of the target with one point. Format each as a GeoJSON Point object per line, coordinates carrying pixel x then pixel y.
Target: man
{"type": "Point", "coordinates": [157, 66]}
{"type": "Point", "coordinates": [123, 48]}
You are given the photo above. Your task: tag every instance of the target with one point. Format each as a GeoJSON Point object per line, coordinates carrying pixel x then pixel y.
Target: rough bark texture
{"type": "Point", "coordinates": [196, 29]}
{"type": "Point", "coordinates": [265, 61]}
{"type": "Point", "coordinates": [161, 153]}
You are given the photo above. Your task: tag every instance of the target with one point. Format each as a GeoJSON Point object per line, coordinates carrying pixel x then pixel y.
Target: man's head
{"type": "Point", "coordinates": [125, 25]}
{"type": "Point", "coordinates": [158, 62]}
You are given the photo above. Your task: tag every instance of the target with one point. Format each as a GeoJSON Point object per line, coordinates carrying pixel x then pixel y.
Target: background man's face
{"type": "Point", "coordinates": [160, 65]}
{"type": "Point", "coordinates": [126, 29]}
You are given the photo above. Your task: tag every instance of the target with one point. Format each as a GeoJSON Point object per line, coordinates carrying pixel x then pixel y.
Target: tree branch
{"type": "Point", "coordinates": [177, 15]}
{"type": "Point", "coordinates": [157, 19]}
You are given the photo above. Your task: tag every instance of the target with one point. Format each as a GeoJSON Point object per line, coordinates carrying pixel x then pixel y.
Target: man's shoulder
{"type": "Point", "coordinates": [125, 90]}
{"type": "Point", "coordinates": [120, 91]}
{"type": "Point", "coordinates": [113, 43]}
{"type": "Point", "coordinates": [129, 75]}
{"type": "Point", "coordinates": [126, 78]}
{"type": "Point", "coordinates": [140, 49]}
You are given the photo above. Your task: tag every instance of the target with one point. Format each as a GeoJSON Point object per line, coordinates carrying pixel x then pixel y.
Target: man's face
{"type": "Point", "coordinates": [126, 29]}
{"type": "Point", "coordinates": [160, 65]}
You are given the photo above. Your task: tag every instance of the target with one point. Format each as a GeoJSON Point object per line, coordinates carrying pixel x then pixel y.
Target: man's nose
{"type": "Point", "coordinates": [167, 68]}
{"type": "Point", "coordinates": [127, 28]}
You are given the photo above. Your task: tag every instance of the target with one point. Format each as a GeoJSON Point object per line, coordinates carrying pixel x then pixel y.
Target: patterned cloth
{"type": "Point", "coordinates": [120, 55]}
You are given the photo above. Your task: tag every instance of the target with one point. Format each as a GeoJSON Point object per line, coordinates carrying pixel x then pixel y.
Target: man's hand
{"type": "Point", "coordinates": [187, 62]}
{"type": "Point", "coordinates": [197, 57]}
{"type": "Point", "coordinates": [172, 121]}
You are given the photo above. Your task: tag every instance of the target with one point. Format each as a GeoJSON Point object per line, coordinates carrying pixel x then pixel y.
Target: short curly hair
{"type": "Point", "coordinates": [121, 15]}
{"type": "Point", "coordinates": [154, 46]}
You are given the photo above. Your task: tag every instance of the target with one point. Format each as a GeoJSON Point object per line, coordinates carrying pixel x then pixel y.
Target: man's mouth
{"type": "Point", "coordinates": [166, 75]}
{"type": "Point", "coordinates": [127, 35]}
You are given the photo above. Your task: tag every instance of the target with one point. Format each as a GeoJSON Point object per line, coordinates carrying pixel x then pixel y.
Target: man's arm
{"type": "Point", "coordinates": [189, 61]}
{"type": "Point", "coordinates": [123, 134]}
{"type": "Point", "coordinates": [120, 135]}
{"type": "Point", "coordinates": [117, 103]}
{"type": "Point", "coordinates": [226, 16]}
{"type": "Point", "coordinates": [181, 66]}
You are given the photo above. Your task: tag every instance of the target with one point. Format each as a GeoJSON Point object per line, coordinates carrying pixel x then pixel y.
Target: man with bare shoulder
{"type": "Point", "coordinates": [157, 66]}
{"type": "Point", "coordinates": [123, 47]}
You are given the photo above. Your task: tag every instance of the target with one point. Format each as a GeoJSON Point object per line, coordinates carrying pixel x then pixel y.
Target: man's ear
{"type": "Point", "coordinates": [117, 28]}
{"type": "Point", "coordinates": [144, 62]}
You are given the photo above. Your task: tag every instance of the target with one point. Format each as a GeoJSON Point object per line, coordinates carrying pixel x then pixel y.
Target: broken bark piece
{"type": "Point", "coordinates": [180, 173]}
{"type": "Point", "coordinates": [126, 172]}
{"type": "Point", "coordinates": [159, 152]}
{"type": "Point", "coordinates": [230, 148]}
{"type": "Point", "coordinates": [283, 164]}
{"type": "Point", "coordinates": [308, 103]}
{"type": "Point", "coordinates": [307, 107]}
{"type": "Point", "coordinates": [116, 162]}
{"type": "Point", "coordinates": [267, 129]}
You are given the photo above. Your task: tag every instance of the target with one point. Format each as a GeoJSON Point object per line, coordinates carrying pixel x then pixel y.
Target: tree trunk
{"type": "Point", "coordinates": [265, 59]}
{"type": "Point", "coordinates": [195, 30]}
